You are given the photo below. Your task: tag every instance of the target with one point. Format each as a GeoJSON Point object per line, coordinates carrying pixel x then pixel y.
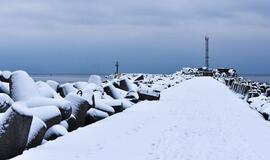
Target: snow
{"type": "Point", "coordinates": [199, 119]}
{"type": "Point", "coordinates": [4, 87]}
{"type": "Point", "coordinates": [5, 102]}
{"type": "Point", "coordinates": [22, 87]}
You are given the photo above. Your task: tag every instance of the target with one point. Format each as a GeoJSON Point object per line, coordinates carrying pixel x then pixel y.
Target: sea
{"type": "Point", "coordinates": [259, 78]}
{"type": "Point", "coordinates": [64, 78]}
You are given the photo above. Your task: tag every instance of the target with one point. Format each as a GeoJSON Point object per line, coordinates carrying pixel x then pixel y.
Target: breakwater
{"type": "Point", "coordinates": [33, 113]}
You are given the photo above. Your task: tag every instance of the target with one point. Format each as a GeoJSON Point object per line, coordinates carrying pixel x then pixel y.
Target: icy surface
{"type": "Point", "coordinates": [200, 119]}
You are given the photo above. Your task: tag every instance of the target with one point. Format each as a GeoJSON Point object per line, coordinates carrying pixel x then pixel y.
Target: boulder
{"type": "Point", "coordinates": [53, 84]}
{"type": "Point", "coordinates": [151, 96]}
{"type": "Point", "coordinates": [98, 104]}
{"type": "Point", "coordinates": [14, 130]}
{"type": "Point", "coordinates": [4, 88]}
{"type": "Point", "coordinates": [55, 132]}
{"type": "Point", "coordinates": [22, 86]}
{"type": "Point", "coordinates": [94, 115]}
{"type": "Point", "coordinates": [79, 108]}
{"type": "Point", "coordinates": [37, 132]}
{"type": "Point", "coordinates": [50, 115]}
{"type": "Point", "coordinates": [5, 76]}
{"type": "Point", "coordinates": [5, 102]}
{"type": "Point", "coordinates": [67, 88]}
{"type": "Point", "coordinates": [63, 105]}
{"type": "Point", "coordinates": [113, 92]}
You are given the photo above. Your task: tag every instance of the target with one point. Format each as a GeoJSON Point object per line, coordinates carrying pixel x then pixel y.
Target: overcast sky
{"type": "Point", "coordinates": [157, 36]}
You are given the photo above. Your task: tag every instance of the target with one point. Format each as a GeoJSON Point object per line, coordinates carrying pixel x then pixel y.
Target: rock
{"type": "Point", "coordinates": [45, 90]}
{"type": "Point", "coordinates": [266, 111]}
{"type": "Point", "coordinates": [72, 123]}
{"type": "Point", "coordinates": [79, 108]}
{"type": "Point", "coordinates": [267, 92]}
{"type": "Point", "coordinates": [5, 102]}
{"type": "Point", "coordinates": [94, 115]}
{"type": "Point", "coordinates": [103, 107]}
{"type": "Point", "coordinates": [51, 115]}
{"type": "Point", "coordinates": [14, 130]}
{"type": "Point", "coordinates": [37, 132]}
{"type": "Point", "coordinates": [127, 85]}
{"type": "Point", "coordinates": [53, 84]}
{"type": "Point", "coordinates": [63, 105]}
{"type": "Point", "coordinates": [67, 88]}
{"type": "Point", "coordinates": [55, 132]}
{"type": "Point", "coordinates": [143, 95]}
{"type": "Point", "coordinates": [140, 77]}
{"type": "Point", "coordinates": [4, 88]}
{"type": "Point", "coordinates": [80, 85]}
{"type": "Point", "coordinates": [95, 79]}
{"type": "Point", "coordinates": [5, 76]}
{"type": "Point", "coordinates": [112, 91]}
{"type": "Point", "coordinates": [22, 86]}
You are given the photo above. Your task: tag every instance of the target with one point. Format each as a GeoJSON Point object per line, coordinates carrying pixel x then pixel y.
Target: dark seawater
{"type": "Point", "coordinates": [63, 78]}
{"type": "Point", "coordinates": [259, 78]}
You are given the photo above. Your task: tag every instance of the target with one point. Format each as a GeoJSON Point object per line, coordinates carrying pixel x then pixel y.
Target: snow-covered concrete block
{"type": "Point", "coordinates": [53, 84]}
{"type": "Point", "coordinates": [50, 115]}
{"type": "Point", "coordinates": [67, 88]}
{"type": "Point", "coordinates": [5, 102]}
{"type": "Point", "coordinates": [55, 132]}
{"type": "Point", "coordinates": [22, 86]}
{"type": "Point", "coordinates": [94, 115]}
{"type": "Point", "coordinates": [79, 108]}
{"type": "Point", "coordinates": [5, 76]}
{"type": "Point", "coordinates": [63, 105]}
{"type": "Point", "coordinates": [36, 133]}
{"type": "Point", "coordinates": [4, 88]}
{"type": "Point", "coordinates": [14, 130]}
{"type": "Point", "coordinates": [98, 104]}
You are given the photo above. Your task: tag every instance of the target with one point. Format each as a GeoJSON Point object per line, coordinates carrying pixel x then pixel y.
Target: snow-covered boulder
{"type": "Point", "coordinates": [5, 76]}
{"type": "Point", "coordinates": [95, 79]}
{"type": "Point", "coordinates": [63, 105]}
{"type": "Point", "coordinates": [94, 115]}
{"type": "Point", "coordinates": [80, 85]}
{"type": "Point", "coordinates": [55, 132]}
{"type": "Point", "coordinates": [127, 85]}
{"type": "Point", "coordinates": [14, 130]}
{"type": "Point", "coordinates": [4, 88]}
{"type": "Point", "coordinates": [36, 133]}
{"type": "Point", "coordinates": [22, 86]}
{"type": "Point", "coordinates": [5, 102]}
{"type": "Point", "coordinates": [113, 91]}
{"type": "Point", "coordinates": [53, 84]}
{"type": "Point", "coordinates": [46, 91]}
{"type": "Point", "coordinates": [67, 88]}
{"type": "Point", "coordinates": [72, 123]}
{"type": "Point", "coordinates": [266, 111]}
{"type": "Point", "coordinates": [79, 108]}
{"type": "Point", "coordinates": [98, 104]}
{"type": "Point", "coordinates": [50, 115]}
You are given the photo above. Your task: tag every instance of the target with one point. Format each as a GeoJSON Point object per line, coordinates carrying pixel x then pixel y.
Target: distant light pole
{"type": "Point", "coordinates": [206, 52]}
{"type": "Point", "coordinates": [117, 67]}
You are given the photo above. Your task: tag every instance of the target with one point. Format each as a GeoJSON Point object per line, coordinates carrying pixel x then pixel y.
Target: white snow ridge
{"type": "Point", "coordinates": [198, 119]}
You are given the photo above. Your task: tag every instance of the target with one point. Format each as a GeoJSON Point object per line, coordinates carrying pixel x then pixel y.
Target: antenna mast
{"type": "Point", "coordinates": [207, 52]}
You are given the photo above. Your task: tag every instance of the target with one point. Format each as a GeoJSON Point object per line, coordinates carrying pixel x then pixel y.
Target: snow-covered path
{"type": "Point", "coordinates": [200, 119]}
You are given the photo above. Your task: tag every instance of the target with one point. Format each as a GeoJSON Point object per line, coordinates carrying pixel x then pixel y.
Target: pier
{"type": "Point", "coordinates": [199, 118]}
